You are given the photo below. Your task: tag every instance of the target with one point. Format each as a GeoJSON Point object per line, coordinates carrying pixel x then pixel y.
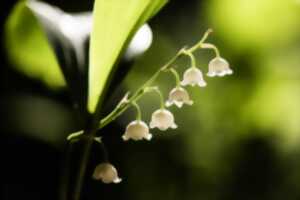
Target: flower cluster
{"type": "Point", "coordinates": [162, 118]}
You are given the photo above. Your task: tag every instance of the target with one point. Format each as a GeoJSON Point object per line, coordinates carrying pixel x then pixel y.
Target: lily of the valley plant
{"type": "Point", "coordinates": [87, 74]}
{"type": "Point", "coordinates": [162, 118]}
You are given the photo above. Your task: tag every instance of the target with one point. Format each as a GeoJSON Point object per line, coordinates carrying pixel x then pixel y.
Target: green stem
{"type": "Point", "coordinates": [211, 46]}
{"type": "Point", "coordinates": [183, 51]}
{"type": "Point", "coordinates": [176, 75]}
{"type": "Point", "coordinates": [161, 97]}
{"type": "Point", "coordinates": [64, 187]}
{"type": "Point", "coordinates": [192, 57]}
{"type": "Point", "coordinates": [198, 44]}
{"type": "Point", "coordinates": [138, 111]}
{"type": "Point", "coordinates": [82, 167]}
{"type": "Point", "coordinates": [172, 60]}
{"type": "Point", "coordinates": [77, 134]}
{"type": "Point", "coordinates": [104, 151]}
{"type": "Point", "coordinates": [118, 111]}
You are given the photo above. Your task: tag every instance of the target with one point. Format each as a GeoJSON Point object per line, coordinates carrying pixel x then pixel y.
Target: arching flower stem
{"type": "Point", "coordinates": [176, 75]}
{"type": "Point", "coordinates": [213, 47]}
{"type": "Point", "coordinates": [141, 91]}
{"type": "Point", "coordinates": [192, 57]}
{"type": "Point", "coordinates": [138, 111]}
{"type": "Point", "coordinates": [161, 97]}
{"type": "Point", "coordinates": [199, 44]}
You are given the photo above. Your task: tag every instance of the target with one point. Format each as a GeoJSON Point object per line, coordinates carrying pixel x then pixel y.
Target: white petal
{"type": "Point", "coordinates": [202, 83]}
{"type": "Point", "coordinates": [162, 119]}
{"type": "Point", "coordinates": [190, 102]}
{"type": "Point", "coordinates": [211, 74]}
{"type": "Point", "coordinates": [229, 71]}
{"type": "Point", "coordinates": [152, 124]}
{"type": "Point", "coordinates": [178, 104]}
{"type": "Point", "coordinates": [184, 82]}
{"type": "Point", "coordinates": [125, 137]}
{"type": "Point", "coordinates": [169, 103]}
{"type": "Point", "coordinates": [148, 136]}
{"type": "Point", "coordinates": [192, 84]}
{"type": "Point", "coordinates": [218, 67]}
{"type": "Point", "coordinates": [117, 180]}
{"type": "Point", "coordinates": [107, 173]}
{"type": "Point", "coordinates": [162, 128]}
{"type": "Point", "coordinates": [136, 130]}
{"type": "Point", "coordinates": [174, 126]}
{"type": "Point", "coordinates": [221, 74]}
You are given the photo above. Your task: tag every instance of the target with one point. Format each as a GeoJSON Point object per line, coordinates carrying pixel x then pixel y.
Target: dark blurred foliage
{"type": "Point", "coordinates": [235, 159]}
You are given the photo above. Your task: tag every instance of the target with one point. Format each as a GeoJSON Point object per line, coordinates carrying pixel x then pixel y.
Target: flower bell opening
{"type": "Point", "coordinates": [107, 173]}
{"type": "Point", "coordinates": [162, 119]}
{"type": "Point", "coordinates": [137, 130]}
{"type": "Point", "coordinates": [218, 67]}
{"type": "Point", "coordinates": [179, 96]}
{"type": "Point", "coordinates": [193, 76]}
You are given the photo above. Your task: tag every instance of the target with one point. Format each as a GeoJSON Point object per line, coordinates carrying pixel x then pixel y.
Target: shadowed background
{"type": "Point", "coordinates": [240, 139]}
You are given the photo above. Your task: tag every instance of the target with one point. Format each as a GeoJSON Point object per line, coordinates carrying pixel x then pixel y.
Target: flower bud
{"type": "Point", "coordinates": [218, 67]}
{"type": "Point", "coordinates": [162, 119]}
{"type": "Point", "coordinates": [137, 130]}
{"type": "Point", "coordinates": [107, 173]}
{"type": "Point", "coordinates": [193, 76]}
{"type": "Point", "coordinates": [179, 96]}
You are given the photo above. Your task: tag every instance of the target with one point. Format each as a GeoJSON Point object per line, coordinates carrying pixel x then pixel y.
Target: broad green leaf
{"type": "Point", "coordinates": [115, 21]}
{"type": "Point", "coordinates": [48, 44]}
{"type": "Point", "coordinates": [28, 48]}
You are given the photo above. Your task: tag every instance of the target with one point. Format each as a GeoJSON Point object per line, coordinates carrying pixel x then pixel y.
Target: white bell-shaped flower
{"type": "Point", "coordinates": [137, 130]}
{"type": "Point", "coordinates": [193, 76]}
{"type": "Point", "coordinates": [179, 96]}
{"type": "Point", "coordinates": [218, 67]}
{"type": "Point", "coordinates": [107, 173]}
{"type": "Point", "coordinates": [162, 119]}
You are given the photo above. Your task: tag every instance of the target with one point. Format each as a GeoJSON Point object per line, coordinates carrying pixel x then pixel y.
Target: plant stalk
{"type": "Point", "coordinates": [91, 131]}
{"type": "Point", "coordinates": [83, 165]}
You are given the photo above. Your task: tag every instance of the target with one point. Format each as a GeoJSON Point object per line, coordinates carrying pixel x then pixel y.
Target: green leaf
{"type": "Point", "coordinates": [28, 48]}
{"type": "Point", "coordinates": [45, 43]}
{"type": "Point", "coordinates": [115, 21]}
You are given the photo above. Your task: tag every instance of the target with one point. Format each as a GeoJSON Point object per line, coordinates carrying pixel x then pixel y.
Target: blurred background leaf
{"type": "Point", "coordinates": [68, 43]}
{"type": "Point", "coordinates": [28, 47]}
{"type": "Point", "coordinates": [68, 36]}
